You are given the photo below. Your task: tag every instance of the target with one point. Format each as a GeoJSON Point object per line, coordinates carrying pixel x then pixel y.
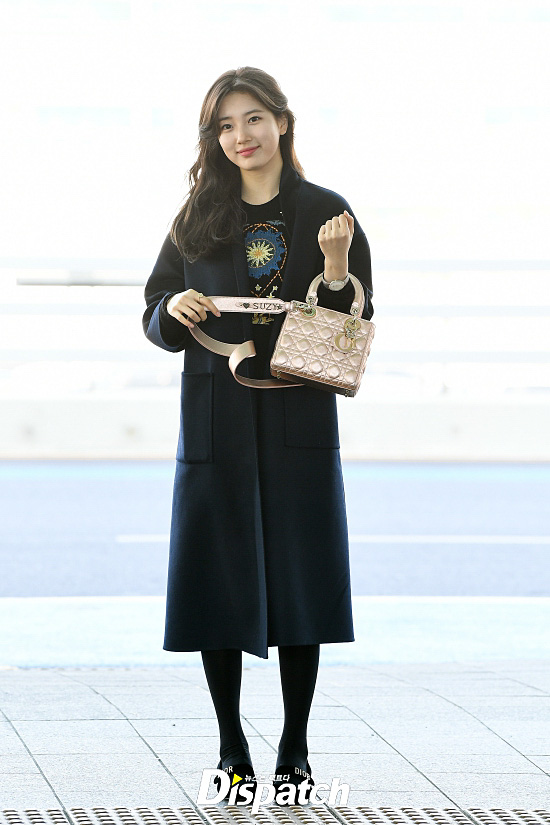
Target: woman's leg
{"type": "Point", "coordinates": [298, 665]}
{"type": "Point", "coordinates": [223, 670]}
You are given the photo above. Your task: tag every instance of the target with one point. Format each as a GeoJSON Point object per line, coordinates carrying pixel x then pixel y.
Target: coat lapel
{"type": "Point", "coordinates": [241, 276]}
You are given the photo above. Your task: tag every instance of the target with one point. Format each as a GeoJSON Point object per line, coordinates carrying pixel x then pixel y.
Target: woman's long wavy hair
{"type": "Point", "coordinates": [213, 215]}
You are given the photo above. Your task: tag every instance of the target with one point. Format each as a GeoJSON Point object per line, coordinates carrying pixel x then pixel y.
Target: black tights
{"type": "Point", "coordinates": [298, 665]}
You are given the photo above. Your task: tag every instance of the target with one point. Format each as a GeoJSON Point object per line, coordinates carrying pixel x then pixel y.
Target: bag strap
{"type": "Point", "coordinates": [238, 352]}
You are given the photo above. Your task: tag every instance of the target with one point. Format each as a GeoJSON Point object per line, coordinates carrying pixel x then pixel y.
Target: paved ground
{"type": "Point", "coordinates": [464, 734]}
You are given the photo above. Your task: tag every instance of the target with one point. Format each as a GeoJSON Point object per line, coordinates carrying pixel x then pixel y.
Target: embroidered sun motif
{"type": "Point", "coordinates": [258, 253]}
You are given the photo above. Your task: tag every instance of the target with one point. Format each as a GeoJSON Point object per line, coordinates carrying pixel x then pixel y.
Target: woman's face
{"type": "Point", "coordinates": [240, 128]}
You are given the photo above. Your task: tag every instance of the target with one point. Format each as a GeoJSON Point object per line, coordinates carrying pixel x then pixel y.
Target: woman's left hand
{"type": "Point", "coordinates": [335, 238]}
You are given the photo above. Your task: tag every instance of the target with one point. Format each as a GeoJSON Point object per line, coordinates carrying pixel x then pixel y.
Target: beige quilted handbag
{"type": "Point", "coordinates": [317, 346]}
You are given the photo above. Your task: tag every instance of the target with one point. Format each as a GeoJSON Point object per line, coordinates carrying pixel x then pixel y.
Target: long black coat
{"type": "Point", "coordinates": [258, 539]}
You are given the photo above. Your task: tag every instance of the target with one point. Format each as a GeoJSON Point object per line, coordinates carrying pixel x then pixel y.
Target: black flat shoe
{"type": "Point", "coordinates": [295, 777]}
{"type": "Point", "coordinates": [242, 770]}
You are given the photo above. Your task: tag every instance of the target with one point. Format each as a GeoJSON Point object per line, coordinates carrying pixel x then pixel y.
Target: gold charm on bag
{"type": "Point", "coordinates": [308, 309]}
{"type": "Point", "coordinates": [344, 347]}
{"type": "Point", "coordinates": [345, 341]}
{"type": "Point", "coordinates": [352, 324]}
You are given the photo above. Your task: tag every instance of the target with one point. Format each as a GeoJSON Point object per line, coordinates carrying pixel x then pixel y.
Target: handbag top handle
{"type": "Point", "coordinates": [358, 302]}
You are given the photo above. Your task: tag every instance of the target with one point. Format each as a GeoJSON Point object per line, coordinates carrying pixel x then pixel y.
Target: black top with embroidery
{"type": "Point", "coordinates": [266, 242]}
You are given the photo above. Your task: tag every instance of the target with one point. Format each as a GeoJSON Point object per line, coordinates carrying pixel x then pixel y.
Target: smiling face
{"type": "Point", "coordinates": [245, 123]}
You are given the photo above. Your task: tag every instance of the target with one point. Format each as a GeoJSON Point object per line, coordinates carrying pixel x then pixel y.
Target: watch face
{"type": "Point", "coordinates": [336, 285]}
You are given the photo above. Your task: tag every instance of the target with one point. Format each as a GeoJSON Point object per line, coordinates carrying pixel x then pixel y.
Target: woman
{"type": "Point", "coordinates": [258, 540]}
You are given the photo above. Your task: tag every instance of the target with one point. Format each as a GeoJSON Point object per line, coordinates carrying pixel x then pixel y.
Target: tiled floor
{"type": "Point", "coordinates": [461, 735]}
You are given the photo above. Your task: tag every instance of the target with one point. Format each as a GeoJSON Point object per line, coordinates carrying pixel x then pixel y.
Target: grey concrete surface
{"type": "Point", "coordinates": [458, 734]}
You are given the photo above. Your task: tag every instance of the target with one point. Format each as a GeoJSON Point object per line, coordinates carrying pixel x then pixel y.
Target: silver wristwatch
{"type": "Point", "coordinates": [336, 284]}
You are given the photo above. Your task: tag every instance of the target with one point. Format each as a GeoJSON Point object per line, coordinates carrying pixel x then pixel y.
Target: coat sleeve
{"type": "Point", "coordinates": [359, 264]}
{"type": "Point", "coordinates": [166, 279]}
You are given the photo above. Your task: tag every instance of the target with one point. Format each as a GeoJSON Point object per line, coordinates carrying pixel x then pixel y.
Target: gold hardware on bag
{"type": "Point", "coordinates": [307, 309]}
{"type": "Point", "coordinates": [349, 335]}
{"type": "Point", "coordinates": [352, 324]}
{"type": "Point", "coordinates": [340, 346]}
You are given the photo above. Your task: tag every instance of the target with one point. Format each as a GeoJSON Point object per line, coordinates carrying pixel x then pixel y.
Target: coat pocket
{"type": "Point", "coordinates": [196, 412]}
{"type": "Point", "coordinates": [311, 418]}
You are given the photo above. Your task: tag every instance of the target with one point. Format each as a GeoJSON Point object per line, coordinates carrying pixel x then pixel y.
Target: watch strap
{"type": "Point", "coordinates": [343, 281]}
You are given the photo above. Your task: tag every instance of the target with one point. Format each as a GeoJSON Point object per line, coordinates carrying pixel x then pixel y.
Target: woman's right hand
{"type": "Point", "coordinates": [192, 305]}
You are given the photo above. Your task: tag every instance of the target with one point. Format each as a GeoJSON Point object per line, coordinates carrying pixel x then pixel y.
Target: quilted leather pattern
{"type": "Point", "coordinates": [307, 350]}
